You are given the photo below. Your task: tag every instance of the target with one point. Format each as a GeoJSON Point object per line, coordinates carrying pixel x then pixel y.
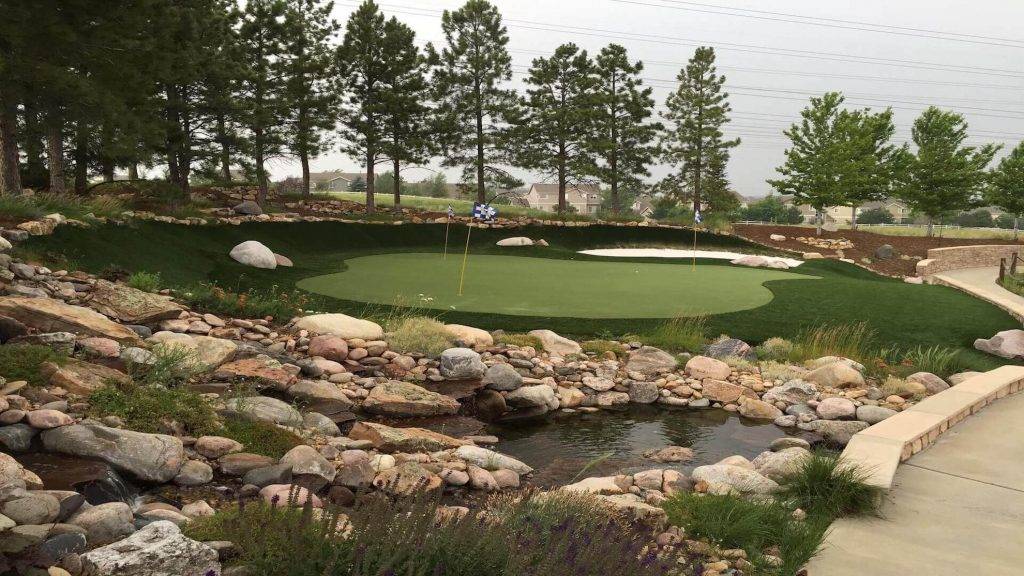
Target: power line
{"type": "Point", "coordinates": [861, 28]}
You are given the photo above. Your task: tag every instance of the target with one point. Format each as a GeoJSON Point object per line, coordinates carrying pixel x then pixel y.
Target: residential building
{"type": "Point", "coordinates": [334, 181]}
{"type": "Point", "coordinates": [586, 198]}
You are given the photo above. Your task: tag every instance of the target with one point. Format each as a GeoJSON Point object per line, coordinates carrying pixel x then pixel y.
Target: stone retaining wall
{"type": "Point", "coordinates": [957, 257]}
{"type": "Point", "coordinates": [881, 448]}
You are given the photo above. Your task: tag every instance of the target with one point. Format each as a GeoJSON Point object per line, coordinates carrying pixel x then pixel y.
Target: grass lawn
{"type": "Point", "coordinates": [902, 315]}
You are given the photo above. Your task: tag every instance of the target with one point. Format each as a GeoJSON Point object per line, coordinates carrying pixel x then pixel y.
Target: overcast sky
{"type": "Point", "coordinates": [772, 65]}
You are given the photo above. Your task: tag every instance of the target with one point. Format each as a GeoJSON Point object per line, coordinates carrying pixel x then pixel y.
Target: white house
{"type": "Point", "coordinates": [586, 199]}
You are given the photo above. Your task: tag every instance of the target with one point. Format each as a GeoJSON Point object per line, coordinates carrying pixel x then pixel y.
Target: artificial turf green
{"type": "Point", "coordinates": [901, 315]}
{"type": "Point", "coordinates": [549, 287]}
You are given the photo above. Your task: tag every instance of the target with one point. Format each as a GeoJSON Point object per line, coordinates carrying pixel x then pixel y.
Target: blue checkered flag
{"type": "Point", "coordinates": [484, 212]}
{"type": "Point", "coordinates": [696, 217]}
{"type": "Point", "coordinates": [451, 211]}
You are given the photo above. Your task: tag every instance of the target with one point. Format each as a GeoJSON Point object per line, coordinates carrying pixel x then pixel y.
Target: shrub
{"type": "Point", "coordinates": [599, 347]}
{"type": "Point", "coordinates": [775, 348]}
{"type": "Point", "coordinates": [938, 360]}
{"type": "Point", "coordinates": [772, 370]}
{"type": "Point", "coordinates": [849, 341]}
{"type": "Point", "coordinates": [169, 366]}
{"type": "Point", "coordinates": [739, 364]}
{"type": "Point", "coordinates": [827, 486]}
{"type": "Point", "coordinates": [257, 436]}
{"type": "Point", "coordinates": [22, 361]}
{"type": "Point", "coordinates": [420, 334]}
{"type": "Point", "coordinates": [521, 340]}
{"type": "Point", "coordinates": [153, 408]}
{"type": "Point", "coordinates": [875, 216]}
{"type": "Point", "coordinates": [145, 281]}
{"type": "Point", "coordinates": [32, 206]}
{"type": "Point", "coordinates": [252, 303]}
{"type": "Point", "coordinates": [682, 334]}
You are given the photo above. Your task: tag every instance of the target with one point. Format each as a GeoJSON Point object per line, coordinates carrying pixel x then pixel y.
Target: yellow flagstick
{"type": "Point", "coordinates": [447, 223]}
{"type": "Point", "coordinates": [694, 266]}
{"type": "Point", "coordinates": [465, 256]}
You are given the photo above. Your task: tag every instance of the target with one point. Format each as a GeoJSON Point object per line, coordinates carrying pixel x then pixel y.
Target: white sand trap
{"type": "Point", "coordinates": [675, 253]}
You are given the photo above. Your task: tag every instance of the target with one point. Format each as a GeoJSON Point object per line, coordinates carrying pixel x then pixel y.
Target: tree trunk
{"type": "Point", "coordinates": [853, 218]}
{"type": "Point", "coordinates": [930, 223]}
{"type": "Point", "coordinates": [304, 161]}
{"type": "Point", "coordinates": [1015, 228]}
{"type": "Point", "coordinates": [561, 179]}
{"type": "Point", "coordinates": [34, 137]}
{"type": "Point", "coordinates": [55, 153]}
{"type": "Point", "coordinates": [481, 194]}
{"type": "Point", "coordinates": [81, 159]}
{"type": "Point", "coordinates": [225, 150]}
{"type": "Point", "coordinates": [818, 218]}
{"type": "Point", "coordinates": [10, 173]}
{"type": "Point", "coordinates": [173, 140]}
{"type": "Point", "coordinates": [261, 170]}
{"type": "Point", "coordinates": [370, 157]}
{"type": "Point", "coordinates": [398, 185]}
{"type": "Point", "coordinates": [133, 171]}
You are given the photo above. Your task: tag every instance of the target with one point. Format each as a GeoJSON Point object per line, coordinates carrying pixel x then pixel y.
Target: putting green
{"type": "Point", "coordinates": [548, 287]}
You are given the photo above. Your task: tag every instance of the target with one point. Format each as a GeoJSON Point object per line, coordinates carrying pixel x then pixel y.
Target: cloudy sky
{"type": "Point", "coordinates": [907, 54]}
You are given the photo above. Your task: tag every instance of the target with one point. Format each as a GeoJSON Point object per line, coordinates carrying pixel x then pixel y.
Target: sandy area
{"type": "Point", "coordinates": [675, 253]}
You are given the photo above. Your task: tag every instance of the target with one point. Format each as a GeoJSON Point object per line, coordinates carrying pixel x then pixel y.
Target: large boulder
{"type": "Point", "coordinates": [515, 241]}
{"type": "Point", "coordinates": [835, 375]}
{"type": "Point", "coordinates": [305, 460]}
{"type": "Point", "coordinates": [491, 460]}
{"type": "Point", "coordinates": [1005, 344]}
{"type": "Point", "coordinates": [255, 254]}
{"type": "Point", "coordinates": [643, 392]}
{"type": "Point", "coordinates": [407, 478]}
{"type": "Point", "coordinates": [722, 391]}
{"type": "Point", "coordinates": [932, 383]}
{"type": "Point", "coordinates": [82, 378]}
{"type": "Point", "coordinates": [207, 351]}
{"type": "Point", "coordinates": [104, 523]}
{"type": "Point", "coordinates": [554, 344]}
{"type": "Point", "coordinates": [792, 392]}
{"type": "Point", "coordinates": [130, 305]}
{"type": "Point", "coordinates": [757, 409]}
{"type": "Point", "coordinates": [781, 464]}
{"type": "Point", "coordinates": [158, 549]}
{"type": "Point", "coordinates": [329, 346]}
{"type": "Point", "coordinates": [836, 409]}
{"type": "Point", "coordinates": [469, 336]}
{"type": "Point", "coordinates": [266, 409]}
{"type": "Point", "coordinates": [729, 347]}
{"type": "Point", "coordinates": [837, 432]}
{"type": "Point", "coordinates": [340, 325]}
{"type": "Point", "coordinates": [702, 367]}
{"type": "Point", "coordinates": [262, 370]}
{"type": "Point", "coordinates": [395, 398]}
{"type": "Point", "coordinates": [388, 439]}
{"type": "Point", "coordinates": [320, 395]}
{"type": "Point", "coordinates": [538, 396]}
{"type": "Point", "coordinates": [148, 457]}
{"type": "Point", "coordinates": [462, 364]}
{"type": "Point", "coordinates": [874, 414]}
{"type": "Point", "coordinates": [248, 208]}
{"type": "Point", "coordinates": [48, 315]}
{"type": "Point", "coordinates": [502, 377]}
{"type": "Point", "coordinates": [650, 360]}
{"type": "Point", "coordinates": [726, 479]}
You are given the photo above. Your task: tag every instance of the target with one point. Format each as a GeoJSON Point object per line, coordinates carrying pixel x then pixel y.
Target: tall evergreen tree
{"type": "Point", "coordinates": [1006, 188]}
{"type": "Point", "coordinates": [697, 111]}
{"type": "Point", "coordinates": [362, 62]}
{"type": "Point", "coordinates": [553, 135]}
{"type": "Point", "coordinates": [624, 139]}
{"type": "Point", "coordinates": [944, 175]}
{"type": "Point", "coordinates": [472, 103]}
{"type": "Point", "coordinates": [310, 88]}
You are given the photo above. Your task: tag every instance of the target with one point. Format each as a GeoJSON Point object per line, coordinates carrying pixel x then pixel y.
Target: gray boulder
{"type": "Point", "coordinates": [650, 360]}
{"type": "Point", "coordinates": [266, 409]}
{"type": "Point", "coordinates": [502, 377]}
{"type": "Point", "coordinates": [884, 252]}
{"type": "Point", "coordinates": [148, 457]}
{"type": "Point", "coordinates": [729, 347]}
{"type": "Point", "coordinates": [462, 364]}
{"type": "Point", "coordinates": [104, 523]}
{"type": "Point", "coordinates": [835, 431]}
{"type": "Point", "coordinates": [158, 549]}
{"type": "Point", "coordinates": [248, 208]}
{"type": "Point", "coordinates": [255, 254]}
{"type": "Point", "coordinates": [17, 437]}
{"type": "Point", "coordinates": [932, 383]}
{"type": "Point", "coordinates": [1005, 344]}
{"type": "Point", "coordinates": [874, 414]}
{"type": "Point", "coordinates": [792, 392]}
{"type": "Point", "coordinates": [643, 392]}
{"type": "Point", "coordinates": [726, 479]}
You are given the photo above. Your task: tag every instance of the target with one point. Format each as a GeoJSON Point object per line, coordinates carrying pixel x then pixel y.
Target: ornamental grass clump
{"type": "Point", "coordinates": [827, 486]}
{"type": "Point", "coordinates": [154, 408]}
{"type": "Point", "coordinates": [282, 305]}
{"type": "Point", "coordinates": [600, 347]}
{"type": "Point", "coordinates": [775, 348]}
{"type": "Point", "coordinates": [145, 281]}
{"type": "Point", "coordinates": [420, 334]}
{"type": "Point", "coordinates": [24, 361]}
{"type": "Point", "coordinates": [680, 334]}
{"type": "Point", "coordinates": [853, 341]}
{"type": "Point", "coordinates": [520, 340]}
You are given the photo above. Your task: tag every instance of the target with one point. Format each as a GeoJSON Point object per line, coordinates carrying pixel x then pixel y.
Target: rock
{"type": "Point", "coordinates": [721, 391]}
{"type": "Point", "coordinates": [158, 549]}
{"type": "Point", "coordinates": [261, 369]}
{"type": "Point", "coordinates": [130, 305]}
{"type": "Point", "coordinates": [255, 254]}
{"type": "Point", "coordinates": [207, 351]}
{"type": "Point", "coordinates": [388, 439]}
{"type": "Point", "coordinates": [340, 325]}
{"type": "Point", "coordinates": [48, 315]}
{"type": "Point", "coordinates": [45, 420]}
{"type": "Point", "coordinates": [104, 523]}
{"type": "Point", "coordinates": [462, 364]}
{"type": "Point", "coordinates": [836, 409]}
{"type": "Point", "coordinates": [884, 252]}
{"type": "Point", "coordinates": [329, 346]}
{"type": "Point", "coordinates": [11, 328]}
{"type": "Point", "coordinates": [729, 348]}
{"type": "Point", "coordinates": [267, 475]}
{"type": "Point", "coordinates": [240, 463]}
{"type": "Point", "coordinates": [554, 344]}
{"type": "Point", "coordinates": [596, 485]}
{"type": "Point", "coordinates": [649, 479]}
{"type": "Point", "coordinates": [635, 509]}
{"type": "Point", "coordinates": [932, 383]}
{"type": "Point", "coordinates": [248, 208]}
{"type": "Point", "coordinates": [20, 538]}
{"type": "Point", "coordinates": [395, 398]}
{"type": "Point", "coordinates": [506, 478]}
{"type": "Point", "coordinates": [289, 494]}
{"type": "Point", "coordinates": [502, 377]}
{"type": "Point", "coordinates": [670, 454]}
{"type": "Point", "coordinates": [757, 409]}
{"type": "Point", "coordinates": [725, 479]}
{"type": "Point", "coordinates": [480, 479]}
{"type": "Point", "coordinates": [789, 442]}
{"type": "Point", "coordinates": [539, 396]}
{"type": "Point", "coordinates": [469, 336]}
{"type": "Point", "coordinates": [194, 473]}
{"type": "Point", "coordinates": [960, 377]}
{"type": "Point", "coordinates": [874, 414]}
{"type": "Point", "coordinates": [197, 509]}
{"type": "Point", "coordinates": [777, 237]}
{"type": "Point", "coordinates": [643, 392]}
{"type": "Point", "coordinates": [82, 378]}
{"type": "Point", "coordinates": [491, 460]}
{"type": "Point", "coordinates": [13, 475]}
{"type": "Point", "coordinates": [750, 260]}
{"type": "Point", "coordinates": [214, 447]}
{"type": "Point", "coordinates": [490, 405]}
{"type": "Point", "coordinates": [515, 241]}
{"type": "Point", "coordinates": [835, 431]}
{"type": "Point", "coordinates": [835, 375]}
{"type": "Point", "coordinates": [780, 464]}
{"type": "Point", "coordinates": [33, 507]}
{"type": "Point", "coordinates": [305, 460]}
{"type": "Point", "coordinates": [283, 261]}
{"type": "Point", "coordinates": [650, 360]}
{"type": "Point", "coordinates": [148, 457]}
{"type": "Point", "coordinates": [320, 394]}
{"type": "Point", "coordinates": [100, 347]}
{"type": "Point", "coordinates": [407, 478]}
{"type": "Point", "coordinates": [266, 409]}
{"type": "Point", "coordinates": [792, 392]}
{"type": "Point", "coordinates": [701, 367]}
{"type": "Point", "coordinates": [17, 437]}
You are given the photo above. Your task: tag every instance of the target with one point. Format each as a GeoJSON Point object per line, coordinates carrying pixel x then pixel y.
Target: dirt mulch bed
{"type": "Point", "coordinates": [909, 249]}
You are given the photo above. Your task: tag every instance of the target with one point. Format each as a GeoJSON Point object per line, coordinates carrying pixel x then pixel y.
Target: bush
{"type": "Point", "coordinates": [22, 361]}
{"type": "Point", "coordinates": [420, 334]}
{"type": "Point", "coordinates": [827, 486]}
{"type": "Point", "coordinates": [170, 366]}
{"type": "Point", "coordinates": [33, 206]}
{"type": "Point", "coordinates": [258, 437]}
{"type": "Point", "coordinates": [771, 209]}
{"type": "Point", "coordinates": [772, 371]}
{"type": "Point", "coordinates": [739, 364]}
{"type": "Point", "coordinates": [875, 216]}
{"type": "Point", "coordinates": [153, 408]}
{"type": "Point", "coordinates": [849, 341]}
{"type": "Point", "coordinates": [252, 303]}
{"type": "Point", "coordinates": [682, 334]}
{"type": "Point", "coordinates": [938, 360]}
{"type": "Point", "coordinates": [145, 281]}
{"type": "Point", "coordinates": [775, 349]}
{"type": "Point", "coordinates": [521, 340]}
{"type": "Point", "coordinates": [599, 347]}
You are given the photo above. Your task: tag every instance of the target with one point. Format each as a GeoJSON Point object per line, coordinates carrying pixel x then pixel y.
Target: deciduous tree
{"type": "Point", "coordinates": [1006, 189]}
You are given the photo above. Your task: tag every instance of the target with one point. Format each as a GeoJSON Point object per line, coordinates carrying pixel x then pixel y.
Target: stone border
{"type": "Point", "coordinates": [881, 448]}
{"type": "Point", "coordinates": [941, 260]}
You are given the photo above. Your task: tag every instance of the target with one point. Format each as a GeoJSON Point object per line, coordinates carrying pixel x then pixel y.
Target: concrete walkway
{"type": "Point", "coordinates": [982, 283]}
{"type": "Point", "coordinates": [956, 508]}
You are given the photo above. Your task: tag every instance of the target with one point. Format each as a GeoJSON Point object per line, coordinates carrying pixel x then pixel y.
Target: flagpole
{"type": "Point", "coordinates": [694, 265]}
{"type": "Point", "coordinates": [465, 256]}
{"type": "Point", "coordinates": [447, 223]}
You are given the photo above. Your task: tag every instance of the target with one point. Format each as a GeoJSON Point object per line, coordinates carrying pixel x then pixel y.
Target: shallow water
{"type": "Point", "coordinates": [97, 481]}
{"type": "Point", "coordinates": [613, 441]}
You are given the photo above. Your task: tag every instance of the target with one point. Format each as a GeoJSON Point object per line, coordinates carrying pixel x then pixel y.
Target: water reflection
{"type": "Point", "coordinates": [561, 446]}
{"type": "Point", "coordinates": [95, 480]}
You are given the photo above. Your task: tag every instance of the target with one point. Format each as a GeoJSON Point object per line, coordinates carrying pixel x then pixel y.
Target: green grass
{"type": "Point", "coordinates": [680, 334]}
{"type": "Point", "coordinates": [258, 437]}
{"type": "Point", "coordinates": [599, 347]}
{"type": "Point", "coordinates": [828, 487]}
{"type": "Point", "coordinates": [144, 281]}
{"type": "Point", "coordinates": [30, 207]}
{"type": "Point", "coordinates": [521, 340]}
{"type": "Point", "coordinates": [170, 366]}
{"type": "Point", "coordinates": [253, 302]}
{"type": "Point", "coordinates": [420, 334]}
{"type": "Point", "coordinates": [22, 361]}
{"type": "Point", "coordinates": [152, 408]}
{"type": "Point", "coordinates": [900, 315]}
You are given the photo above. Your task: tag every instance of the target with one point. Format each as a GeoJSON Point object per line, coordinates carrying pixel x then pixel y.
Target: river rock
{"type": "Point", "coordinates": [792, 392]}
{"type": "Point", "coordinates": [502, 377]}
{"type": "Point", "coordinates": [556, 345]}
{"type": "Point", "coordinates": [320, 394]}
{"type": "Point", "coordinates": [49, 315]}
{"type": "Point", "coordinates": [17, 437]}
{"type": "Point", "coordinates": [836, 409]}
{"type": "Point", "coordinates": [491, 460]}
{"type": "Point", "coordinates": [248, 208]}
{"type": "Point", "coordinates": [148, 457]}
{"type": "Point", "coordinates": [261, 369]}
{"type": "Point", "coordinates": [835, 375]}
{"type": "Point", "coordinates": [670, 454]}
{"type": "Point", "coordinates": [725, 479]}
{"type": "Point", "coordinates": [207, 351]}
{"type": "Point", "coordinates": [650, 360]}
{"type": "Point", "coordinates": [835, 431]}
{"type": "Point", "coordinates": [305, 460]}
{"type": "Point", "coordinates": [158, 549]}
{"type": "Point", "coordinates": [874, 414]}
{"type": "Point", "coordinates": [721, 391]}
{"type": "Point", "coordinates": [194, 473]}
{"type": "Point", "coordinates": [255, 254]}
{"type": "Point", "coordinates": [729, 348]}
{"type": "Point", "coordinates": [539, 396]}
{"type": "Point", "coordinates": [469, 336]}
{"type": "Point", "coordinates": [643, 392]}
{"type": "Point", "coordinates": [284, 494]}
{"type": "Point", "coordinates": [240, 463]}
{"type": "Point", "coordinates": [396, 398]}
{"type": "Point", "coordinates": [266, 409]}
{"type": "Point", "coordinates": [490, 405]}
{"type": "Point", "coordinates": [99, 347]}
{"type": "Point", "coordinates": [329, 346]}
{"type": "Point", "coordinates": [214, 447]}
{"type": "Point", "coordinates": [462, 364]}
{"type": "Point", "coordinates": [780, 464]}
{"type": "Point", "coordinates": [407, 478]}
{"type": "Point", "coordinates": [932, 383]}
{"type": "Point", "coordinates": [701, 367]}
{"type": "Point", "coordinates": [340, 325]}
{"type": "Point", "coordinates": [388, 439]}
{"type": "Point", "coordinates": [47, 419]}
{"type": "Point", "coordinates": [130, 305]}
{"type": "Point", "coordinates": [480, 479]}
{"type": "Point", "coordinates": [757, 409]}
{"type": "Point", "coordinates": [80, 377]}
{"type": "Point", "coordinates": [104, 523]}
{"type": "Point", "coordinates": [32, 507]}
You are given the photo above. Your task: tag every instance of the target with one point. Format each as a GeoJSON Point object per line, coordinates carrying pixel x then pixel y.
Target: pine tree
{"type": "Point", "coordinates": [944, 176]}
{"type": "Point", "coordinates": [624, 139]}
{"type": "Point", "coordinates": [1006, 188]}
{"type": "Point", "coordinates": [558, 119]}
{"type": "Point", "coordinates": [362, 62]}
{"type": "Point", "coordinates": [472, 105]}
{"type": "Point", "coordinates": [309, 81]}
{"type": "Point", "coordinates": [357, 185]}
{"type": "Point", "coordinates": [697, 111]}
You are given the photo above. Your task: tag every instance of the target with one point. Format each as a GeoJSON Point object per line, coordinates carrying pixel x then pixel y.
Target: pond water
{"type": "Point", "coordinates": [613, 441]}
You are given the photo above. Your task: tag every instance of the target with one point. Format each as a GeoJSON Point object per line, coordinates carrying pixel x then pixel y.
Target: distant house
{"type": "Point", "coordinates": [334, 181]}
{"type": "Point", "coordinates": [899, 210]}
{"type": "Point", "coordinates": [643, 206]}
{"type": "Point", "coordinates": [586, 199]}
